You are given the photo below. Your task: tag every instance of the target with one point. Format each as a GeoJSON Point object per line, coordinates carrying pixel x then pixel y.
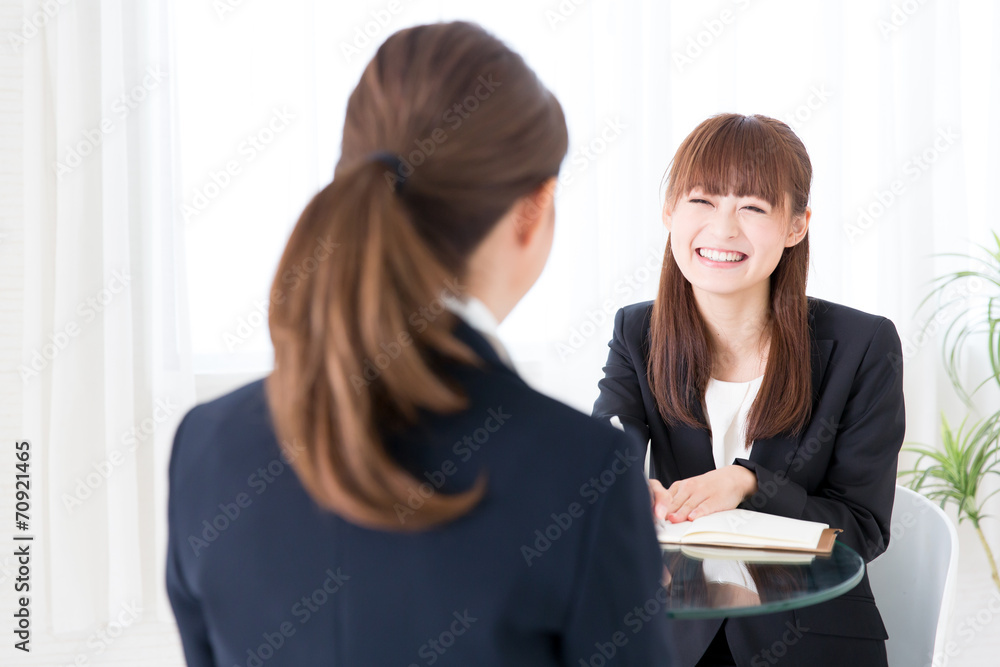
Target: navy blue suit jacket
{"type": "Point", "coordinates": [841, 470]}
{"type": "Point", "coordinates": [554, 566]}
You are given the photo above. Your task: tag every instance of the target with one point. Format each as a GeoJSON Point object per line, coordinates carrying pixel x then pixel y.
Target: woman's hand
{"type": "Point", "coordinates": [715, 491]}
{"type": "Point", "coordinates": [661, 498]}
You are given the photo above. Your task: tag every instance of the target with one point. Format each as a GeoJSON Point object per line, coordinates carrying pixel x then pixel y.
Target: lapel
{"type": "Point", "coordinates": [481, 346]}
{"type": "Point", "coordinates": [692, 447]}
{"type": "Point", "coordinates": [776, 453]}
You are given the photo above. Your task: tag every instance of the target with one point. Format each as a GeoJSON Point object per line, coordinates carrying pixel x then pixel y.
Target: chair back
{"type": "Point", "coordinates": [914, 580]}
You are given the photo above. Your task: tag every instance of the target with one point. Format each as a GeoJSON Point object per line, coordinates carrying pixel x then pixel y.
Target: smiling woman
{"type": "Point", "coordinates": [732, 367]}
{"type": "Point", "coordinates": [737, 185]}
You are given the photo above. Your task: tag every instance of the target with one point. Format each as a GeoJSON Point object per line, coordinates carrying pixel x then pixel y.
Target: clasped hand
{"type": "Point", "coordinates": [714, 491]}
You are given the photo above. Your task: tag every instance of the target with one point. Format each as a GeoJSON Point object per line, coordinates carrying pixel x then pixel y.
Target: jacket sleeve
{"type": "Point", "coordinates": [859, 484]}
{"type": "Point", "coordinates": [619, 608]}
{"type": "Point", "coordinates": [619, 389]}
{"type": "Point", "coordinates": [185, 603]}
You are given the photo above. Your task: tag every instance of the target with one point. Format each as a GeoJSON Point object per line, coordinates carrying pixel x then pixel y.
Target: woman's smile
{"type": "Point", "coordinates": [718, 258]}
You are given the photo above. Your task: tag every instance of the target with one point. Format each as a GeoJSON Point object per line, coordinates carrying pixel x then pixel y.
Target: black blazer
{"type": "Point", "coordinates": [547, 570]}
{"type": "Point", "coordinates": [841, 470]}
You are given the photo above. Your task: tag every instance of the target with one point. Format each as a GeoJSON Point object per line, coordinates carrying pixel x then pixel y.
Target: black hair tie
{"type": "Point", "coordinates": [392, 161]}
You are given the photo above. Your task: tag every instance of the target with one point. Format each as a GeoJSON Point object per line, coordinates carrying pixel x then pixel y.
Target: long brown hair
{"type": "Point", "coordinates": [445, 131]}
{"type": "Point", "coordinates": [743, 155]}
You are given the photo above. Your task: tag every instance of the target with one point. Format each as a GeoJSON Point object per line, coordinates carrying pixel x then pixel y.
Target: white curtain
{"type": "Point", "coordinates": [105, 369]}
{"type": "Point", "coordinates": [896, 102]}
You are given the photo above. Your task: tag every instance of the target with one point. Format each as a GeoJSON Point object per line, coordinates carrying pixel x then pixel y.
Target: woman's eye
{"type": "Point", "coordinates": [755, 209]}
{"type": "Point", "coordinates": [699, 201]}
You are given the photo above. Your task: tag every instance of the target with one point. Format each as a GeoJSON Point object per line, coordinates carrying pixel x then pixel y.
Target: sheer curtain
{"type": "Point", "coordinates": [105, 368]}
{"type": "Point", "coordinates": [883, 97]}
{"type": "Point", "coordinates": [894, 100]}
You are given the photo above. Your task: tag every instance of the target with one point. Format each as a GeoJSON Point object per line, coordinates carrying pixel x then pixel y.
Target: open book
{"type": "Point", "coordinates": [747, 529]}
{"type": "Point", "coordinates": [756, 556]}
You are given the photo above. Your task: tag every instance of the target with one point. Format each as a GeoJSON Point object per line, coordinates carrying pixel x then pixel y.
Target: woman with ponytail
{"type": "Point", "coordinates": [393, 493]}
{"type": "Point", "coordinates": [753, 395]}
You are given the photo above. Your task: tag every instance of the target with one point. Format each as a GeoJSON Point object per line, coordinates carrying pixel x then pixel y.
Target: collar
{"type": "Point", "coordinates": [478, 316]}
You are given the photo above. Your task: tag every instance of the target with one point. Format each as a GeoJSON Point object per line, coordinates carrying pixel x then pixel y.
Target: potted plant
{"type": "Point", "coordinates": [968, 303]}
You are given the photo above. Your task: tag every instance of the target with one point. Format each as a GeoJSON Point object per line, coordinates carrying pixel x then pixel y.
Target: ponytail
{"type": "Point", "coordinates": [332, 324]}
{"type": "Point", "coordinates": [414, 194]}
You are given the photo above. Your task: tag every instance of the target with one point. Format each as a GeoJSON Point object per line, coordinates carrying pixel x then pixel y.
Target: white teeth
{"type": "Point", "coordinates": [717, 256]}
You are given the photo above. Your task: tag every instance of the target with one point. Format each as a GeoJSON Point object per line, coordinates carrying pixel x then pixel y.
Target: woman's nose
{"type": "Point", "coordinates": [725, 223]}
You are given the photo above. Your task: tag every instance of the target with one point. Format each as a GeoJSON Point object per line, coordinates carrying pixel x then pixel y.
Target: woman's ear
{"type": "Point", "coordinates": [534, 210]}
{"type": "Point", "coordinates": [667, 214]}
{"type": "Point", "coordinates": [797, 230]}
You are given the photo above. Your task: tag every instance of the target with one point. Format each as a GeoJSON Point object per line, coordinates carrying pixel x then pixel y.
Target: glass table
{"type": "Point", "coordinates": [715, 582]}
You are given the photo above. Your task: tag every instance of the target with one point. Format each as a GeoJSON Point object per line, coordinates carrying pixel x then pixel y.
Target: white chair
{"type": "Point", "coordinates": [914, 580]}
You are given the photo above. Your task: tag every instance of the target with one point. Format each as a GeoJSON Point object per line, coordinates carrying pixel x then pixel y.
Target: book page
{"type": "Point", "coordinates": [743, 528]}
{"type": "Point", "coordinates": [760, 557]}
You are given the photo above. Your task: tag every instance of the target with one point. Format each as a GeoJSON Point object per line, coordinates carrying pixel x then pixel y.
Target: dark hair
{"type": "Point", "coordinates": [473, 130]}
{"type": "Point", "coordinates": [743, 155]}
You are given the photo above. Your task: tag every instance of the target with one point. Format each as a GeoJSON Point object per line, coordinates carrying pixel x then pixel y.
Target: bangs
{"type": "Point", "coordinates": [739, 155]}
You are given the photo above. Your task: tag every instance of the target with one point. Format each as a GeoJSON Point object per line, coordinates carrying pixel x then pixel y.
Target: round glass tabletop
{"type": "Point", "coordinates": [715, 582]}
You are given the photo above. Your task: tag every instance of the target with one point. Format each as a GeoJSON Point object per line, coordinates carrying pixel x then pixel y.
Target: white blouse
{"type": "Point", "coordinates": [727, 405]}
